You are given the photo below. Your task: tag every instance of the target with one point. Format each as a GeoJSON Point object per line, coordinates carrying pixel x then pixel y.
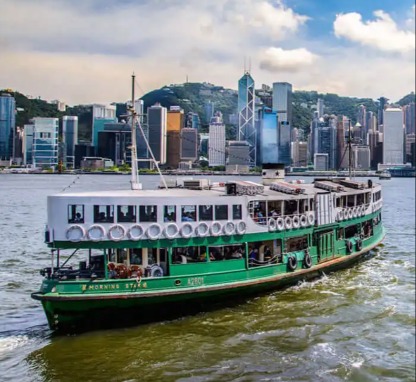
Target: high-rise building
{"type": "Point", "coordinates": [188, 144]}
{"type": "Point", "coordinates": [157, 125]}
{"type": "Point", "coordinates": [299, 153]}
{"type": "Point", "coordinates": [320, 162]}
{"type": "Point", "coordinates": [320, 107]}
{"type": "Point", "coordinates": [45, 142]}
{"type": "Point", "coordinates": [98, 126]}
{"type": "Point", "coordinates": [393, 136]}
{"type": "Point", "coordinates": [409, 118]}
{"type": "Point", "coordinates": [361, 157]}
{"type": "Point", "coordinates": [7, 126]}
{"type": "Point", "coordinates": [382, 103]}
{"type": "Point", "coordinates": [269, 144]}
{"type": "Point", "coordinates": [238, 157]}
{"type": "Point", "coordinates": [410, 142]}
{"type": "Point", "coordinates": [282, 101]}
{"type": "Point", "coordinates": [216, 143]}
{"type": "Point", "coordinates": [27, 144]}
{"type": "Point", "coordinates": [327, 144]}
{"type": "Point", "coordinates": [246, 111]}
{"type": "Point", "coordinates": [69, 139]}
{"type": "Point", "coordinates": [174, 124]}
{"type": "Point", "coordinates": [362, 117]}
{"type": "Point", "coordinates": [114, 143]}
{"type": "Point", "coordinates": [209, 109]}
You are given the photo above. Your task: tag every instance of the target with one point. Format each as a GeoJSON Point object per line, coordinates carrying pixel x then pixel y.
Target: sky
{"type": "Point", "coordinates": [84, 51]}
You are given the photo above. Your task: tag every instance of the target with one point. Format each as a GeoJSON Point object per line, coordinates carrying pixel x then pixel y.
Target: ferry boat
{"type": "Point", "coordinates": [384, 175]}
{"type": "Point", "coordinates": [120, 256]}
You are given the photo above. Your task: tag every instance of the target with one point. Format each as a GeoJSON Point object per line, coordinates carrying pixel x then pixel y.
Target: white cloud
{"type": "Point", "coordinates": [278, 59]}
{"type": "Point", "coordinates": [382, 33]}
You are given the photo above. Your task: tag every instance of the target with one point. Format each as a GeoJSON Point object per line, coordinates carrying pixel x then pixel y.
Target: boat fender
{"type": "Point", "coordinates": [171, 230]}
{"type": "Point", "coordinates": [348, 245]}
{"type": "Point", "coordinates": [202, 230]}
{"type": "Point", "coordinates": [187, 230]}
{"type": "Point", "coordinates": [116, 232]}
{"type": "Point", "coordinates": [272, 225]}
{"type": "Point", "coordinates": [288, 222]}
{"type": "Point", "coordinates": [303, 221]}
{"type": "Point", "coordinates": [156, 271]}
{"type": "Point", "coordinates": [311, 218]}
{"type": "Point", "coordinates": [307, 261]}
{"type": "Point", "coordinates": [241, 227]}
{"type": "Point", "coordinates": [216, 228]}
{"type": "Point", "coordinates": [229, 228]}
{"type": "Point", "coordinates": [75, 233]}
{"type": "Point", "coordinates": [359, 245]}
{"type": "Point", "coordinates": [280, 224]}
{"type": "Point", "coordinates": [154, 231]}
{"type": "Point", "coordinates": [135, 232]}
{"type": "Point", "coordinates": [292, 263]}
{"type": "Point", "coordinates": [96, 232]}
{"type": "Point", "coordinates": [296, 221]}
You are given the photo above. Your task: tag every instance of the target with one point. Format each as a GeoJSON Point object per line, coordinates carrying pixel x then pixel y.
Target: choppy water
{"type": "Point", "coordinates": [355, 325]}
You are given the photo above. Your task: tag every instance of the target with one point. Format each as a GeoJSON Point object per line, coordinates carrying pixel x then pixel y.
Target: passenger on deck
{"type": "Point", "coordinates": [267, 253]}
{"type": "Point", "coordinates": [77, 218]}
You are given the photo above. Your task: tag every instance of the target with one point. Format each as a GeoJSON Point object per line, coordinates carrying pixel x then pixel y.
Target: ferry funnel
{"type": "Point", "coordinates": [272, 172]}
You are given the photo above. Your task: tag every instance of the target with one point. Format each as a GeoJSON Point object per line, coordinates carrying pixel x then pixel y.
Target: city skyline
{"type": "Point", "coordinates": [84, 52]}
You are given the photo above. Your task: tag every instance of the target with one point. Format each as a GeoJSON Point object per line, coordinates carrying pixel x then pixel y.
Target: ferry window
{"type": "Point", "coordinates": [75, 213]}
{"type": "Point", "coordinates": [340, 233]}
{"type": "Point", "coordinates": [104, 214]}
{"type": "Point", "coordinates": [296, 243]}
{"type": "Point", "coordinates": [221, 212]}
{"type": "Point", "coordinates": [291, 207]}
{"type": "Point", "coordinates": [188, 213]}
{"type": "Point", "coordinates": [169, 214]}
{"type": "Point", "coordinates": [184, 255]}
{"type": "Point", "coordinates": [275, 208]}
{"type": "Point", "coordinates": [360, 199]}
{"type": "Point", "coordinates": [232, 252]}
{"type": "Point", "coordinates": [136, 256]}
{"type": "Point", "coordinates": [351, 231]}
{"type": "Point", "coordinates": [205, 213]}
{"type": "Point", "coordinates": [148, 213]}
{"type": "Point", "coordinates": [303, 206]}
{"type": "Point", "coordinates": [350, 200]}
{"type": "Point", "coordinates": [126, 214]}
{"type": "Point", "coordinates": [258, 211]}
{"type": "Point", "coordinates": [237, 211]}
{"type": "Point", "coordinates": [338, 202]}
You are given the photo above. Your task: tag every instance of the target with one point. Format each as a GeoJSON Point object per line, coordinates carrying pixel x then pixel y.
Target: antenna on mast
{"type": "Point", "coordinates": [244, 64]}
{"type": "Point", "coordinates": [249, 64]}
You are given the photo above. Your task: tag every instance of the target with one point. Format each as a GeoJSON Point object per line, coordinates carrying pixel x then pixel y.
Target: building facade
{"type": "Point", "coordinates": [69, 139]}
{"type": "Point", "coordinates": [393, 136]}
{"type": "Point", "coordinates": [45, 142]}
{"type": "Point", "coordinates": [157, 127]}
{"type": "Point", "coordinates": [216, 142]}
{"type": "Point", "coordinates": [7, 126]}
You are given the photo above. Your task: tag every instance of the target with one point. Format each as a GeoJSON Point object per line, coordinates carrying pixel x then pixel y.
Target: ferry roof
{"type": "Point", "coordinates": [309, 190]}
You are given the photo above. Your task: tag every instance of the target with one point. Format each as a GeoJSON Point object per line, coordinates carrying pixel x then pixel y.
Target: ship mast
{"type": "Point", "coordinates": [135, 185]}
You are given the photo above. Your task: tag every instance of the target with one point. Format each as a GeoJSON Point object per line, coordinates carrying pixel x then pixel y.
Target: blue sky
{"type": "Point", "coordinates": [84, 51]}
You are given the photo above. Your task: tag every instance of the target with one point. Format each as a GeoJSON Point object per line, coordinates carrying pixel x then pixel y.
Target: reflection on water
{"type": "Point", "coordinates": [357, 324]}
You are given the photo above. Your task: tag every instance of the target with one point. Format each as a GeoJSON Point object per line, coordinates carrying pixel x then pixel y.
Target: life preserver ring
{"type": "Point", "coordinates": [292, 263]}
{"type": "Point", "coordinates": [202, 230]}
{"type": "Point", "coordinates": [241, 227]}
{"type": "Point", "coordinates": [307, 260]}
{"type": "Point", "coordinates": [288, 222]}
{"type": "Point", "coordinates": [156, 271]}
{"type": "Point", "coordinates": [96, 232]}
{"type": "Point", "coordinates": [350, 213]}
{"type": "Point", "coordinates": [75, 233]}
{"type": "Point", "coordinates": [187, 230]}
{"type": "Point", "coordinates": [303, 221]}
{"type": "Point", "coordinates": [296, 221]}
{"type": "Point", "coordinates": [135, 232]}
{"type": "Point", "coordinates": [171, 230]}
{"type": "Point", "coordinates": [215, 228]}
{"type": "Point", "coordinates": [348, 245]}
{"type": "Point", "coordinates": [272, 225]}
{"type": "Point", "coordinates": [354, 212]}
{"type": "Point", "coordinates": [311, 218]}
{"type": "Point", "coordinates": [229, 228]}
{"type": "Point", "coordinates": [363, 210]}
{"type": "Point", "coordinates": [359, 245]}
{"type": "Point", "coordinates": [116, 232]}
{"type": "Point", "coordinates": [280, 224]}
{"type": "Point", "coordinates": [154, 231]}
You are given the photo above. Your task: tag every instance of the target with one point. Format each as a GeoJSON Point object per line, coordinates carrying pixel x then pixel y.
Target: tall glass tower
{"type": "Point", "coordinates": [7, 125]}
{"type": "Point", "coordinates": [246, 126]}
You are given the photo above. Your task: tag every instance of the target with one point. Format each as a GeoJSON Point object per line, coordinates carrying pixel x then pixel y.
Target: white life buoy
{"type": "Point", "coordinates": [350, 213]}
{"type": "Point", "coordinates": [280, 224]}
{"type": "Point", "coordinates": [229, 228]}
{"type": "Point", "coordinates": [288, 222]}
{"type": "Point", "coordinates": [202, 230]}
{"type": "Point", "coordinates": [296, 221]}
{"type": "Point", "coordinates": [187, 230]}
{"type": "Point", "coordinates": [116, 232]}
{"type": "Point", "coordinates": [311, 218]}
{"type": "Point", "coordinates": [363, 210]}
{"type": "Point", "coordinates": [156, 271]}
{"type": "Point", "coordinates": [154, 231]}
{"type": "Point", "coordinates": [340, 215]}
{"type": "Point", "coordinates": [75, 233]}
{"type": "Point", "coordinates": [354, 212]}
{"type": "Point", "coordinates": [272, 225]}
{"type": "Point", "coordinates": [215, 229]}
{"type": "Point", "coordinates": [241, 227]}
{"type": "Point", "coordinates": [135, 232]}
{"type": "Point", "coordinates": [303, 221]}
{"type": "Point", "coordinates": [171, 230]}
{"type": "Point", "coordinates": [96, 232]}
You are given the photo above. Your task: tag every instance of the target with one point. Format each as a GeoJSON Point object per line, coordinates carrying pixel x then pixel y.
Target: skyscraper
{"type": "Point", "coordinates": [174, 124]}
{"type": "Point", "coordinates": [157, 125]}
{"type": "Point", "coordinates": [189, 144]}
{"type": "Point", "coordinates": [7, 125]}
{"type": "Point", "coordinates": [393, 136]}
{"type": "Point", "coordinates": [69, 139]}
{"type": "Point", "coordinates": [410, 118]}
{"type": "Point", "coordinates": [246, 126]}
{"type": "Point", "coordinates": [269, 146]}
{"type": "Point", "coordinates": [216, 143]}
{"type": "Point", "coordinates": [320, 107]}
{"type": "Point", "coordinates": [282, 101]}
{"type": "Point", "coordinates": [45, 142]}
{"type": "Point", "coordinates": [382, 103]}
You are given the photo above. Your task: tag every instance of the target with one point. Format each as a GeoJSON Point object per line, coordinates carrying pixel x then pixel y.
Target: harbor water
{"type": "Point", "coordinates": [353, 325]}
